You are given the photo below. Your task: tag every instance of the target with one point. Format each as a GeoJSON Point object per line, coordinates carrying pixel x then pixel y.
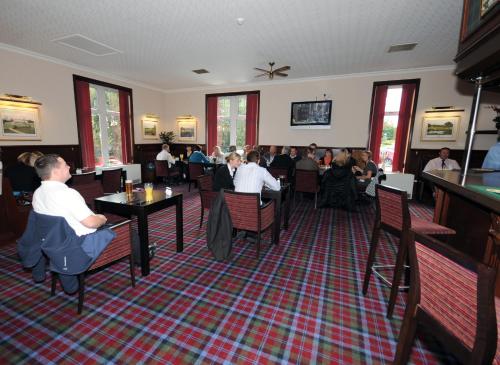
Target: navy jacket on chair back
{"type": "Point", "coordinates": [68, 253]}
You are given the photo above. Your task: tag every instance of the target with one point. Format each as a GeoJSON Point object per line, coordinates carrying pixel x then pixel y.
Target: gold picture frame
{"type": "Point", "coordinates": [19, 122]}
{"type": "Point", "coordinates": [186, 130]}
{"type": "Point", "coordinates": [150, 128]}
{"type": "Point", "coordinates": [440, 129]}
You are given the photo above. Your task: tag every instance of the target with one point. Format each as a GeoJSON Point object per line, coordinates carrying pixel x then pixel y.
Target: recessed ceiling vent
{"type": "Point", "coordinates": [402, 47]}
{"type": "Point", "coordinates": [200, 71]}
{"type": "Point", "coordinates": [85, 44]}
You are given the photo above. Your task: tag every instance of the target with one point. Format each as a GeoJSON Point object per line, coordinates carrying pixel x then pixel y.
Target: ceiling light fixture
{"type": "Point", "coordinates": [240, 21]}
{"type": "Point", "coordinates": [401, 47]}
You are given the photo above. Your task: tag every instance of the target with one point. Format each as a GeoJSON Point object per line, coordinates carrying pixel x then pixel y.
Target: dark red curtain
{"type": "Point", "coordinates": [252, 116]}
{"type": "Point", "coordinates": [404, 119]}
{"type": "Point", "coordinates": [125, 123]}
{"type": "Point", "coordinates": [84, 122]}
{"type": "Point", "coordinates": [211, 123]}
{"type": "Point", "coordinates": [377, 121]}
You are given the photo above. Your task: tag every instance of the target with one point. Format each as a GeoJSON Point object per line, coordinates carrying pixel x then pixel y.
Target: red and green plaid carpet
{"type": "Point", "coordinates": [300, 303]}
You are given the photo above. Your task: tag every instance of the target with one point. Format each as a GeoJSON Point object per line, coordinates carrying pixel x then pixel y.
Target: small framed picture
{"type": "Point", "coordinates": [150, 128]}
{"type": "Point", "coordinates": [19, 123]}
{"type": "Point", "coordinates": [487, 5]}
{"type": "Point", "coordinates": [186, 130]}
{"type": "Point", "coordinates": [440, 129]}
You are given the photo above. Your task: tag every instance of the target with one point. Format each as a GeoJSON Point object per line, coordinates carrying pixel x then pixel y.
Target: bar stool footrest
{"type": "Point", "coordinates": [376, 271]}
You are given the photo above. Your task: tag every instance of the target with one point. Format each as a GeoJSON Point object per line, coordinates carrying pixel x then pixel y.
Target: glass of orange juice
{"type": "Point", "coordinates": [148, 188]}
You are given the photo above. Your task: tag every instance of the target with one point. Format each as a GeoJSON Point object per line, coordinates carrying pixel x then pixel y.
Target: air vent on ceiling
{"type": "Point", "coordinates": [200, 71]}
{"type": "Point", "coordinates": [86, 44]}
{"type": "Point", "coordinates": [402, 47]}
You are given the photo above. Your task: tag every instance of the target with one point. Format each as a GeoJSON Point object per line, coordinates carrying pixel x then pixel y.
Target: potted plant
{"type": "Point", "coordinates": [167, 137]}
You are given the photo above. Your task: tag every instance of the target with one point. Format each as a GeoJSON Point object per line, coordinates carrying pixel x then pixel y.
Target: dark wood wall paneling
{"type": "Point", "coordinates": [70, 153]}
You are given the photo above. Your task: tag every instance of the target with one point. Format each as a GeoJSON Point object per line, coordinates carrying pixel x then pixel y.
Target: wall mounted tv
{"type": "Point", "coordinates": [311, 114]}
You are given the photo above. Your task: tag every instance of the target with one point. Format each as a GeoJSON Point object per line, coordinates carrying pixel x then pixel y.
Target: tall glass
{"type": "Point", "coordinates": [148, 188]}
{"type": "Point", "coordinates": [181, 156]}
{"type": "Point", "coordinates": [128, 188]}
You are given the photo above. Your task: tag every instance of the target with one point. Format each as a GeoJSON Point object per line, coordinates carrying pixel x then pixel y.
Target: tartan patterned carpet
{"type": "Point", "coordinates": [300, 303]}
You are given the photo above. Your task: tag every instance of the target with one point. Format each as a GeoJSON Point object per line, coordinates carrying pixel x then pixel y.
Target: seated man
{"type": "Point", "coordinates": [269, 156]}
{"type": "Point", "coordinates": [294, 154]}
{"type": "Point", "coordinates": [284, 161]}
{"type": "Point", "coordinates": [250, 178]}
{"type": "Point", "coordinates": [442, 162]}
{"type": "Point", "coordinates": [308, 163]}
{"type": "Point", "coordinates": [165, 155]}
{"type": "Point", "coordinates": [55, 198]}
{"type": "Point", "coordinates": [197, 156]}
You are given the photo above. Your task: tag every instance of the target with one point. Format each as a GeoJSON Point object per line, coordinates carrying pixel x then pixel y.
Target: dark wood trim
{"type": "Point", "coordinates": [70, 153]}
{"type": "Point", "coordinates": [101, 83]}
{"type": "Point", "coordinates": [233, 94]}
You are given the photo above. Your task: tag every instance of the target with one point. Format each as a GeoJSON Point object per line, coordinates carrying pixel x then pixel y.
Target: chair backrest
{"type": "Point", "coordinates": [392, 208]}
{"type": "Point", "coordinates": [244, 209]}
{"type": "Point", "coordinates": [84, 178]}
{"type": "Point", "coordinates": [161, 168]}
{"type": "Point", "coordinates": [205, 182]}
{"type": "Point", "coordinates": [276, 172]}
{"type": "Point", "coordinates": [90, 192]}
{"type": "Point", "coordinates": [112, 181]}
{"type": "Point", "coordinates": [118, 248]}
{"type": "Point", "coordinates": [455, 292]}
{"type": "Point", "coordinates": [306, 181]}
{"type": "Point", "coordinates": [195, 170]}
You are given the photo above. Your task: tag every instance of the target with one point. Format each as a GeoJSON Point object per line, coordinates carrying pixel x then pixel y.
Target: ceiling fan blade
{"type": "Point", "coordinates": [261, 69]}
{"type": "Point", "coordinates": [284, 68]}
{"type": "Point", "coordinates": [280, 74]}
{"type": "Point", "coordinates": [266, 74]}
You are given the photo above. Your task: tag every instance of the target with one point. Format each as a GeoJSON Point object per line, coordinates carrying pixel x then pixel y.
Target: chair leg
{"type": "Point", "coordinates": [201, 217]}
{"type": "Point", "coordinates": [81, 291]}
{"type": "Point", "coordinates": [53, 283]}
{"type": "Point", "coordinates": [132, 271]}
{"type": "Point", "coordinates": [315, 199]}
{"type": "Point", "coordinates": [398, 271]}
{"type": "Point", "coordinates": [189, 186]}
{"type": "Point", "coordinates": [371, 257]}
{"type": "Point", "coordinates": [257, 245]}
{"type": "Point", "coordinates": [406, 336]}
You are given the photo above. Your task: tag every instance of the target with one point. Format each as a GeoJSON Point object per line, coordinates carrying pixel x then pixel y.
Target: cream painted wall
{"type": "Point", "coordinates": [52, 84]}
{"type": "Point", "coordinates": [351, 97]}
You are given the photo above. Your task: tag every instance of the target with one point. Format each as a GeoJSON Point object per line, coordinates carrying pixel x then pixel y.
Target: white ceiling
{"type": "Point", "coordinates": [162, 41]}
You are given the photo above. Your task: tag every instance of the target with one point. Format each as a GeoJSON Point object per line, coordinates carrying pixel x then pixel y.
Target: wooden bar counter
{"type": "Point", "coordinates": [467, 209]}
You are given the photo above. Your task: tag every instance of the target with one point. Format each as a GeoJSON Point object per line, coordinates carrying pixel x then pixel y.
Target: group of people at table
{"type": "Point", "coordinates": [248, 172]}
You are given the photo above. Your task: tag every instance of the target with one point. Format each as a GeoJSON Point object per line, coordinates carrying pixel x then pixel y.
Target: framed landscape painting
{"type": "Point", "coordinates": [186, 131]}
{"type": "Point", "coordinates": [150, 128]}
{"type": "Point", "coordinates": [19, 123]}
{"type": "Point", "coordinates": [440, 129]}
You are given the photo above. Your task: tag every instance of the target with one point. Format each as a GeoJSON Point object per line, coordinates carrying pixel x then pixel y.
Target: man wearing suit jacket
{"type": "Point", "coordinates": [284, 161]}
{"type": "Point", "coordinates": [225, 174]}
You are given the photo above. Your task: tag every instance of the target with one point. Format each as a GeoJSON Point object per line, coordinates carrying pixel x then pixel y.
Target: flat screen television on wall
{"type": "Point", "coordinates": [311, 114]}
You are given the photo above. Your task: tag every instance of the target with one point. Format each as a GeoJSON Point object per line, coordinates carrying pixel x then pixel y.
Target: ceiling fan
{"type": "Point", "coordinates": [270, 73]}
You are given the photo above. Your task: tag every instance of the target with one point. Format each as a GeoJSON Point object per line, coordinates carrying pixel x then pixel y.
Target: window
{"type": "Point", "coordinates": [106, 129]}
{"type": "Point", "coordinates": [231, 122]}
{"type": "Point", "coordinates": [104, 119]}
{"type": "Point", "coordinates": [391, 117]}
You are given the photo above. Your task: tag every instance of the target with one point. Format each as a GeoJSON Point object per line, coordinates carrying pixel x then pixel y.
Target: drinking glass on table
{"type": "Point", "coordinates": [128, 187]}
{"type": "Point", "coordinates": [181, 156]}
{"type": "Point", "coordinates": [282, 179]}
{"type": "Point", "coordinates": [148, 188]}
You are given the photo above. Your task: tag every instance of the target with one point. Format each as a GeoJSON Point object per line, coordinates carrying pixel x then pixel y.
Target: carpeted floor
{"type": "Point", "coordinates": [300, 303]}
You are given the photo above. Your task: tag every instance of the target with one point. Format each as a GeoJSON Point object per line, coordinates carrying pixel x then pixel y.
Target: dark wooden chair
{"type": "Point", "coordinates": [112, 181]}
{"type": "Point", "coordinates": [194, 170]}
{"type": "Point", "coordinates": [207, 196]}
{"type": "Point", "coordinates": [393, 216]}
{"type": "Point", "coordinates": [247, 214]}
{"type": "Point", "coordinates": [453, 296]}
{"type": "Point", "coordinates": [168, 174]}
{"type": "Point", "coordinates": [276, 172]}
{"type": "Point", "coordinates": [90, 191]}
{"type": "Point", "coordinates": [119, 248]}
{"type": "Point", "coordinates": [85, 178]}
{"type": "Point", "coordinates": [306, 181]}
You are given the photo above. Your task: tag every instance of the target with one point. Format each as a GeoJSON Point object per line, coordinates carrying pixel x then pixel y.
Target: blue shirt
{"type": "Point", "coordinates": [492, 159]}
{"type": "Point", "coordinates": [198, 157]}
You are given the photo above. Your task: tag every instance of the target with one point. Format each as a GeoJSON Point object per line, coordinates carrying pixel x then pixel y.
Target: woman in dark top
{"type": "Point", "coordinates": [224, 175]}
{"type": "Point", "coordinates": [327, 159]}
{"type": "Point", "coordinates": [365, 175]}
{"type": "Point", "coordinates": [338, 184]}
{"type": "Point", "coordinates": [22, 175]}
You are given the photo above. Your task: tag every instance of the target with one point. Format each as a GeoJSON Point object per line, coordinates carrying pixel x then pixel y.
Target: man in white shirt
{"type": "Point", "coordinates": [442, 162]}
{"type": "Point", "coordinates": [250, 178]}
{"type": "Point", "coordinates": [55, 198]}
{"type": "Point", "coordinates": [165, 155]}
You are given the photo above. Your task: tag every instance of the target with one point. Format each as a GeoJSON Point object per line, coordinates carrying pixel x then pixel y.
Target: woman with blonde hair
{"type": "Point", "coordinates": [217, 155]}
{"type": "Point", "coordinates": [225, 174]}
{"type": "Point", "coordinates": [22, 175]}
